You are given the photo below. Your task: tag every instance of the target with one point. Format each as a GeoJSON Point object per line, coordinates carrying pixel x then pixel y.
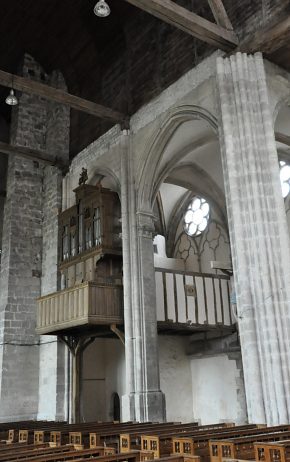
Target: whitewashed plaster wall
{"type": "Point", "coordinates": [203, 389]}
{"type": "Point", "coordinates": [160, 258]}
{"type": "Point", "coordinates": [175, 378]}
{"type": "Point", "coordinates": [103, 374]}
{"type": "Point", "coordinates": [215, 384]}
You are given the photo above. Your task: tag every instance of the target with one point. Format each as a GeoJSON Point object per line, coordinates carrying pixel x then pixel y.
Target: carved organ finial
{"type": "Point", "coordinates": [83, 176]}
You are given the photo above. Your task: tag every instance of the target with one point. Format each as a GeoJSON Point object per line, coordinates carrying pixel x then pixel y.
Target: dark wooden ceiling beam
{"type": "Point", "coordinates": [59, 96]}
{"type": "Point", "coordinates": [281, 138]}
{"type": "Point", "coordinates": [220, 14]}
{"type": "Point", "coordinates": [268, 39]}
{"type": "Point", "coordinates": [189, 22]}
{"type": "Point", "coordinates": [31, 154]}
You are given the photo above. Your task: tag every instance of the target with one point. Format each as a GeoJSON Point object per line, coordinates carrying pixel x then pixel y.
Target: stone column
{"type": "Point", "coordinates": [144, 400]}
{"type": "Point", "coordinates": [20, 280]}
{"type": "Point", "coordinates": [259, 235]}
{"type": "Point", "coordinates": [53, 353]}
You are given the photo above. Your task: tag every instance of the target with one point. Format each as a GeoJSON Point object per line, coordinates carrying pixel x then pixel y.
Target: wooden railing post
{"type": "Point", "coordinates": [210, 294]}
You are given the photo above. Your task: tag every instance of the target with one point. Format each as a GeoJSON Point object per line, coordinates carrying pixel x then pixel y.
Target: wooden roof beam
{"type": "Point", "coordinates": [31, 154]}
{"type": "Point", "coordinates": [189, 22]}
{"type": "Point", "coordinates": [281, 138]}
{"type": "Point", "coordinates": [220, 14]}
{"type": "Point", "coordinates": [60, 96]}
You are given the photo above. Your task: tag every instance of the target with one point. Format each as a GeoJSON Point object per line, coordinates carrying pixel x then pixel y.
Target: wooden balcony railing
{"type": "Point", "coordinates": [193, 298]}
{"type": "Point", "coordinates": [85, 304]}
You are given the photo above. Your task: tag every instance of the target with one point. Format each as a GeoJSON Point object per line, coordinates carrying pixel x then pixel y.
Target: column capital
{"type": "Point", "coordinates": [145, 224]}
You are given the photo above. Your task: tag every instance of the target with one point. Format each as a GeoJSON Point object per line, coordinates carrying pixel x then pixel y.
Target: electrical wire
{"type": "Point", "coordinates": [28, 344]}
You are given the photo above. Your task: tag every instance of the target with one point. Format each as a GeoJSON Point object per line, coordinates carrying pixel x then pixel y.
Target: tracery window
{"type": "Point", "coordinates": [285, 178]}
{"type": "Point", "coordinates": [196, 217]}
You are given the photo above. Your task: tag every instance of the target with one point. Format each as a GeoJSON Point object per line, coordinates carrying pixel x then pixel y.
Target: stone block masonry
{"type": "Point", "coordinates": [29, 247]}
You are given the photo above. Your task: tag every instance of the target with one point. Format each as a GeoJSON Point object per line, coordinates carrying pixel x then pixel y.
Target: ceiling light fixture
{"type": "Point", "coordinates": [102, 9]}
{"type": "Point", "coordinates": [11, 99]}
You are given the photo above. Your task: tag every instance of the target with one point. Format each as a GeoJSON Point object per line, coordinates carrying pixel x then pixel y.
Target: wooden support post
{"type": "Point", "coordinates": [220, 14]}
{"type": "Point", "coordinates": [76, 373]}
{"type": "Point", "coordinates": [118, 332]}
{"type": "Point", "coordinates": [76, 345]}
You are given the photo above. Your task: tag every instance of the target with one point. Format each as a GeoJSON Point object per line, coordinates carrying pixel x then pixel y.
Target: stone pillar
{"type": "Point", "coordinates": [20, 280]}
{"type": "Point", "coordinates": [29, 264]}
{"type": "Point", "coordinates": [144, 400]}
{"type": "Point", "coordinates": [53, 354]}
{"type": "Point", "coordinates": [259, 235]}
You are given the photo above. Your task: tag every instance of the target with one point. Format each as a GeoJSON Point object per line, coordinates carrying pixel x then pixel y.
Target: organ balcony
{"type": "Point", "coordinates": [187, 302]}
{"type": "Point", "coordinates": [90, 263]}
{"type": "Point", "coordinates": [84, 306]}
{"type": "Point", "coordinates": [90, 266]}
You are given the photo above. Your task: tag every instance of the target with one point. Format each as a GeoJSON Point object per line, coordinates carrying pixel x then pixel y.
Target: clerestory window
{"type": "Point", "coordinates": [196, 217]}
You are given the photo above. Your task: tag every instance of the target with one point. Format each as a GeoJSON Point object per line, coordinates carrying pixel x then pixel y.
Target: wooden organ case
{"type": "Point", "coordinates": [90, 238]}
{"type": "Point", "coordinates": [90, 266]}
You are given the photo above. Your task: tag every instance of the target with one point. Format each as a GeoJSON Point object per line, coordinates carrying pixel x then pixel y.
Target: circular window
{"type": "Point", "coordinates": [285, 178]}
{"type": "Point", "coordinates": [196, 217]}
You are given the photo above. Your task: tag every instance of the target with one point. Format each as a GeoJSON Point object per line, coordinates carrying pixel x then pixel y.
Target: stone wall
{"type": "Point", "coordinates": [32, 189]}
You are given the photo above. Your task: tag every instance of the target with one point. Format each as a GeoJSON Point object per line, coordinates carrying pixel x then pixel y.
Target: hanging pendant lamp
{"type": "Point", "coordinates": [102, 9]}
{"type": "Point", "coordinates": [11, 99]}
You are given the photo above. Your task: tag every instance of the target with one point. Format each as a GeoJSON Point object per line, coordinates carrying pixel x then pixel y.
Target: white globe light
{"type": "Point", "coordinates": [11, 99]}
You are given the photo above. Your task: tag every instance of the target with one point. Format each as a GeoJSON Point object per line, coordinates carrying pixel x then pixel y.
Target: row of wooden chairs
{"type": "Point", "coordinates": [138, 442]}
